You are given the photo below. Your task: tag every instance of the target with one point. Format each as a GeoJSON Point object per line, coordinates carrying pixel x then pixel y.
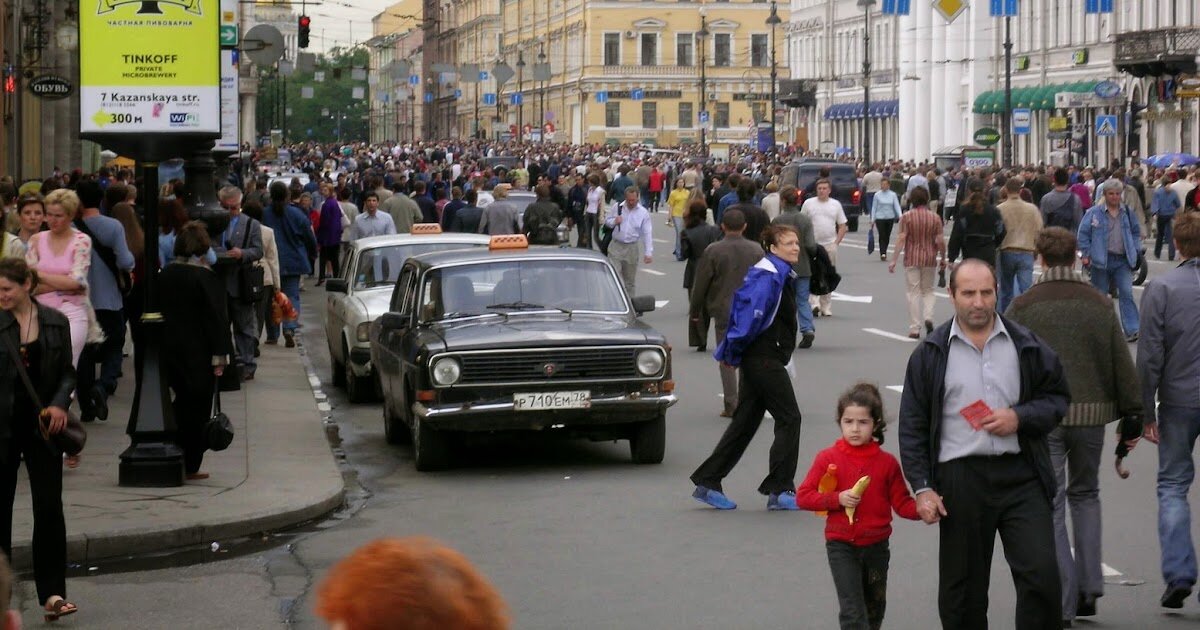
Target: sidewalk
{"type": "Point", "coordinates": [278, 472]}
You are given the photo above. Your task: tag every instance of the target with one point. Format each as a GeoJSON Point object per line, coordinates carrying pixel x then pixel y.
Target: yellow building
{"type": "Point", "coordinates": [632, 70]}
{"type": "Point", "coordinates": [396, 36]}
{"type": "Point", "coordinates": [475, 35]}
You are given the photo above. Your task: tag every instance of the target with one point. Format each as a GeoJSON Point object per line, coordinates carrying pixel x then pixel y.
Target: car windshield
{"type": "Point", "coordinates": [380, 266]}
{"type": "Point", "coordinates": [510, 287]}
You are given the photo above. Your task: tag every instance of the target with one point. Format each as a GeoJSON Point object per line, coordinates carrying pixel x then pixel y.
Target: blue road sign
{"type": "Point", "coordinates": [601, 96]}
{"type": "Point", "coordinates": [414, 79]}
{"type": "Point", "coordinates": [516, 99]}
{"type": "Point", "coordinates": [483, 75]}
{"type": "Point", "coordinates": [1003, 8]}
{"type": "Point", "coordinates": [489, 99]}
{"type": "Point", "coordinates": [1021, 118]}
{"type": "Point", "coordinates": [637, 94]}
{"type": "Point", "coordinates": [1106, 126]}
{"type": "Point", "coordinates": [704, 117]}
{"type": "Point", "coordinates": [1098, 6]}
{"type": "Point", "coordinates": [457, 93]}
{"type": "Point", "coordinates": [429, 97]}
{"type": "Point", "coordinates": [896, 7]}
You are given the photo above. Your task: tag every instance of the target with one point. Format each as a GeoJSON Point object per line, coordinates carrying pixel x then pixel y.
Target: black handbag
{"type": "Point", "coordinates": [73, 437]}
{"type": "Point", "coordinates": [606, 233]}
{"type": "Point", "coordinates": [250, 277]}
{"type": "Point", "coordinates": [218, 431]}
{"type": "Point", "coordinates": [230, 379]}
{"type": "Point", "coordinates": [825, 278]}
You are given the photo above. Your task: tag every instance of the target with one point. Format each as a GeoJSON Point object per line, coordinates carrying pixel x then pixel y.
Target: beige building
{"type": "Point", "coordinates": [396, 52]}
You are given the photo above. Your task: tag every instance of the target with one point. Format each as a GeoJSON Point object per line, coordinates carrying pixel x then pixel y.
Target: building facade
{"type": "Point", "coordinates": [394, 54]}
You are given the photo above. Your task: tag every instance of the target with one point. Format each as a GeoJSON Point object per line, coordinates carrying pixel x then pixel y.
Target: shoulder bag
{"type": "Point", "coordinates": [218, 431]}
{"type": "Point", "coordinates": [73, 437]}
{"type": "Point", "coordinates": [250, 277]}
{"type": "Point", "coordinates": [606, 233]}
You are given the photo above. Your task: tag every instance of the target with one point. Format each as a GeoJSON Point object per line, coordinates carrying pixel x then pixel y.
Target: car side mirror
{"type": "Point", "coordinates": [643, 304]}
{"type": "Point", "coordinates": [335, 285]}
{"type": "Point", "coordinates": [392, 321]}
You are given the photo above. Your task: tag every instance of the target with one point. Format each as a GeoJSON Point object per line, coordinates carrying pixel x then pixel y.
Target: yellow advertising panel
{"type": "Point", "coordinates": [150, 66]}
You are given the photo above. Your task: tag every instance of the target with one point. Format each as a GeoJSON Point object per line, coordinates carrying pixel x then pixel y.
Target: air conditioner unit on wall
{"type": "Point", "coordinates": [630, 34]}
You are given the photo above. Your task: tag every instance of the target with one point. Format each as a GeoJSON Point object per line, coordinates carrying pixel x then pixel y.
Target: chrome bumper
{"type": "Point", "coordinates": [494, 416]}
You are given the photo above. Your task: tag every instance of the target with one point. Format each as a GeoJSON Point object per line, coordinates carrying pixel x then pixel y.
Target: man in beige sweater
{"type": "Point", "coordinates": [1022, 222]}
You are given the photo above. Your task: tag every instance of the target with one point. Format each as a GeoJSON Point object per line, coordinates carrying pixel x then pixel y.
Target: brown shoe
{"type": "Point", "coordinates": [196, 476]}
{"type": "Point", "coordinates": [726, 414]}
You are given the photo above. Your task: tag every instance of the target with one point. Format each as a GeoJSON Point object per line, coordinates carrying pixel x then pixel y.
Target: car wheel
{"type": "Point", "coordinates": [394, 429]}
{"type": "Point", "coordinates": [431, 448]}
{"type": "Point", "coordinates": [852, 224]}
{"type": "Point", "coordinates": [358, 388]}
{"type": "Point", "coordinates": [648, 443]}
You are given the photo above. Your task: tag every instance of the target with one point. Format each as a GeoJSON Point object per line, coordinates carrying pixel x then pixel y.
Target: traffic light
{"type": "Point", "coordinates": [303, 28]}
{"type": "Point", "coordinates": [1134, 139]}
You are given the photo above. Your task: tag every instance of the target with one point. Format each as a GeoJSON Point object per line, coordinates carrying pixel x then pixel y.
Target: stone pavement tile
{"type": "Point", "coordinates": [279, 471]}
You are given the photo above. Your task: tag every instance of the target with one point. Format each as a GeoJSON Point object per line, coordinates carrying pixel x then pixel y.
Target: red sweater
{"type": "Point", "coordinates": [887, 491]}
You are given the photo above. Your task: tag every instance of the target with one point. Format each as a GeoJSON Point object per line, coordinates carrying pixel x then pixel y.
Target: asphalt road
{"type": "Point", "coordinates": [575, 536]}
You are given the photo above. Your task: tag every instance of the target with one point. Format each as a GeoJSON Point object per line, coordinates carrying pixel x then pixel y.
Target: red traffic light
{"type": "Point", "coordinates": [305, 21]}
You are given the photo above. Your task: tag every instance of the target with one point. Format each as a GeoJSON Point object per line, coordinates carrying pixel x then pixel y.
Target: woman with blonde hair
{"type": "Point", "coordinates": [62, 256]}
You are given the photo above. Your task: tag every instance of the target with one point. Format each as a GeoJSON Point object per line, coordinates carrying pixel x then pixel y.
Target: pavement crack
{"type": "Point", "coordinates": [290, 578]}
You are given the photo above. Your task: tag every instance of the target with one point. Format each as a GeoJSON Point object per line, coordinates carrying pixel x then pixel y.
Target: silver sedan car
{"type": "Point", "coordinates": [361, 292]}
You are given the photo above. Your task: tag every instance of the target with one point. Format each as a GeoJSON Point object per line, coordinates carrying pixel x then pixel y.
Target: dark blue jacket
{"type": "Point", "coordinates": [294, 239]}
{"type": "Point", "coordinates": [754, 306]}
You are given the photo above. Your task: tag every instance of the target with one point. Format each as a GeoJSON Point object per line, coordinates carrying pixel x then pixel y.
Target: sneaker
{"type": "Point", "coordinates": [806, 340]}
{"type": "Point", "coordinates": [714, 498]}
{"type": "Point", "coordinates": [1175, 595]}
{"type": "Point", "coordinates": [289, 340]}
{"type": "Point", "coordinates": [914, 335]}
{"type": "Point", "coordinates": [827, 313]}
{"type": "Point", "coordinates": [1085, 606]}
{"type": "Point", "coordinates": [883, 257]}
{"type": "Point", "coordinates": [784, 501]}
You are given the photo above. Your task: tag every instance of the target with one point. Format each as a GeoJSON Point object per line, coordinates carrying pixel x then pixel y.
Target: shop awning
{"type": "Point", "coordinates": [1036, 97]}
{"type": "Point", "coordinates": [851, 111]}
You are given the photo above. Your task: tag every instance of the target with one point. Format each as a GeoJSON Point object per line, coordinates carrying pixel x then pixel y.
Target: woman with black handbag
{"type": "Point", "coordinates": [36, 341]}
{"type": "Point", "coordinates": [196, 341]}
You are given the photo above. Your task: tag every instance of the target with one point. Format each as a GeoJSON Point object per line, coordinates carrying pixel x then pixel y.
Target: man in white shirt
{"type": "Point", "coordinates": [630, 223]}
{"type": "Point", "coordinates": [829, 227]}
{"type": "Point", "coordinates": [372, 222]}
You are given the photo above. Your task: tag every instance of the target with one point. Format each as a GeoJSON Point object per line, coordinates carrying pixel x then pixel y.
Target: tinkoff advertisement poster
{"type": "Point", "coordinates": [150, 66]}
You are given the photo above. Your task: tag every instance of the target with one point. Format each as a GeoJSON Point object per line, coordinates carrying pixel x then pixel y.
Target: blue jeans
{"type": "Point", "coordinates": [1016, 276]}
{"type": "Point", "coordinates": [1178, 428]}
{"type": "Point", "coordinates": [1121, 276]}
{"type": "Point", "coordinates": [290, 285]}
{"type": "Point", "coordinates": [803, 311]}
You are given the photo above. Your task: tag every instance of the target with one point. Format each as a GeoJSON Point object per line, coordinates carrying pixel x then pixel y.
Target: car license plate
{"type": "Point", "coordinates": [540, 401]}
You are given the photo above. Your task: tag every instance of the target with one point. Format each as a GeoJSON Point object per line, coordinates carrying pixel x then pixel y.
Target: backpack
{"type": "Point", "coordinates": [1062, 216]}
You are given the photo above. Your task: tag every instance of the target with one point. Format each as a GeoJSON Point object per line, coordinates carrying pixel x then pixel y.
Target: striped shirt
{"type": "Point", "coordinates": [922, 231]}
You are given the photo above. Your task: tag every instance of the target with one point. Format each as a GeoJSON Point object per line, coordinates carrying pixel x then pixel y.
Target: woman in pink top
{"type": "Point", "coordinates": [62, 256]}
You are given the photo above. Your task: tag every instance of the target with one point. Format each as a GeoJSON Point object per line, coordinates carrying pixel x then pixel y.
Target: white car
{"type": "Point", "coordinates": [361, 292]}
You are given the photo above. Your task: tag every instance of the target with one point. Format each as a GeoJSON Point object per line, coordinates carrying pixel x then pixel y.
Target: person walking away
{"type": "Point", "coordinates": [885, 211]}
{"type": "Point", "coordinates": [760, 340]}
{"type": "Point", "coordinates": [718, 275]}
{"type": "Point", "coordinates": [829, 227]}
{"type": "Point", "coordinates": [452, 207]}
{"type": "Point", "coordinates": [329, 235]}
{"type": "Point", "coordinates": [467, 218]}
{"type": "Point", "coordinates": [1022, 222]}
{"type": "Point", "coordinates": [349, 214]}
{"type": "Point", "coordinates": [756, 218]}
{"type": "Point", "coordinates": [923, 245]}
{"type": "Point", "coordinates": [196, 344]}
{"type": "Point", "coordinates": [857, 543]}
{"type": "Point", "coordinates": [978, 229]}
{"type": "Point", "coordinates": [770, 201]}
{"type": "Point", "coordinates": [631, 225]}
{"type": "Point", "coordinates": [39, 337]}
{"type": "Point", "coordinates": [698, 235]}
{"type": "Point", "coordinates": [1060, 207]}
{"type": "Point", "coordinates": [677, 202]}
{"type": "Point", "coordinates": [981, 394]}
{"type": "Point", "coordinates": [872, 182]}
{"type": "Point", "coordinates": [403, 211]}
{"type": "Point", "coordinates": [242, 241]}
{"type": "Point", "coordinates": [791, 215]}
{"type": "Point", "coordinates": [296, 245]}
{"type": "Point", "coordinates": [500, 217]}
{"type": "Point", "coordinates": [1163, 207]}
{"type": "Point", "coordinates": [542, 218]}
{"type": "Point", "coordinates": [1079, 323]}
{"type": "Point", "coordinates": [1169, 372]}
{"type": "Point", "coordinates": [1109, 242]}
{"type": "Point", "coordinates": [269, 263]}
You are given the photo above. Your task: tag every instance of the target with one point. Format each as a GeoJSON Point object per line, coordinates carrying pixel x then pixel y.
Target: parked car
{"type": "Point", "coordinates": [361, 291]}
{"type": "Point", "coordinates": [803, 175]}
{"type": "Point", "coordinates": [519, 339]}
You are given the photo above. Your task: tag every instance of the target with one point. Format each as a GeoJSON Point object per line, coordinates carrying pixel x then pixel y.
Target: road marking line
{"type": "Point", "coordinates": [661, 303]}
{"type": "Point", "coordinates": [1109, 571]}
{"type": "Point", "coordinates": [861, 299]}
{"type": "Point", "coordinates": [651, 271]}
{"type": "Point", "coordinates": [899, 389]}
{"type": "Point", "coordinates": [663, 241]}
{"type": "Point", "coordinates": [889, 335]}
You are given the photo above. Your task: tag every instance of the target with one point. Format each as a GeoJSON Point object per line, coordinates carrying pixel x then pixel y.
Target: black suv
{"type": "Point", "coordinates": [844, 178]}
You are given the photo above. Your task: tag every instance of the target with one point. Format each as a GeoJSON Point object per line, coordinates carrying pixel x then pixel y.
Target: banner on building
{"type": "Point", "coordinates": [150, 73]}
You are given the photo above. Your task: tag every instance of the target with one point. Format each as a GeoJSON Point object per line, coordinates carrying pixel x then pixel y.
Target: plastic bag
{"type": "Point", "coordinates": [282, 309]}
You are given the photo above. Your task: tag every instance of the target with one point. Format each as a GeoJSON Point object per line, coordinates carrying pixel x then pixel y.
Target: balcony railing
{"type": "Point", "coordinates": [654, 71]}
{"type": "Point", "coordinates": [1146, 46]}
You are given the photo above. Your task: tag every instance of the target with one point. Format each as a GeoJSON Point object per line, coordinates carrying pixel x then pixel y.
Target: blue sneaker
{"type": "Point", "coordinates": [715, 498]}
{"type": "Point", "coordinates": [782, 501]}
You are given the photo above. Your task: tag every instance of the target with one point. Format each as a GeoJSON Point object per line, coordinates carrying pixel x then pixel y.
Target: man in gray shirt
{"type": "Point", "coordinates": [981, 394]}
{"type": "Point", "coordinates": [1169, 371]}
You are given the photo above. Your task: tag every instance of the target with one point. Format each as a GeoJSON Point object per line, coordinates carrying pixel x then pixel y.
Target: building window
{"type": "Point", "coordinates": [721, 117]}
{"type": "Point", "coordinates": [649, 115]}
{"type": "Point", "coordinates": [685, 115]}
{"type": "Point", "coordinates": [649, 49]}
{"type": "Point", "coordinates": [722, 44]}
{"type": "Point", "coordinates": [612, 114]}
{"type": "Point", "coordinates": [612, 49]}
{"type": "Point", "coordinates": [759, 52]}
{"type": "Point", "coordinates": [685, 49]}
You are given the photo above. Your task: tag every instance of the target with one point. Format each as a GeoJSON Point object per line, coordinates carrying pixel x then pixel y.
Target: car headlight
{"type": "Point", "coordinates": [446, 371]}
{"type": "Point", "coordinates": [363, 332]}
{"type": "Point", "coordinates": [649, 362]}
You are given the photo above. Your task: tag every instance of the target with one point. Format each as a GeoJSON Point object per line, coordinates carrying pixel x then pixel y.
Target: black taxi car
{"type": "Point", "coordinates": [514, 338]}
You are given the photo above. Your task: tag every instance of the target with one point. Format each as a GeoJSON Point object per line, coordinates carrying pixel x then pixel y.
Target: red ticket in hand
{"type": "Point", "coordinates": [975, 413]}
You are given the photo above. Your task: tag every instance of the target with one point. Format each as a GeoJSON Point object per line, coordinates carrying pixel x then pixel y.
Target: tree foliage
{"type": "Point", "coordinates": [316, 119]}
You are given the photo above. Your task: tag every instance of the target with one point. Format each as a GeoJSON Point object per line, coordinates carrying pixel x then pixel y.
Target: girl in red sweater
{"type": "Point", "coordinates": [858, 552]}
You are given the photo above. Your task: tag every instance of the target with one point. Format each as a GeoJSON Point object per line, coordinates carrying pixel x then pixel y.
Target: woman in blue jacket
{"type": "Point", "coordinates": [297, 247]}
{"type": "Point", "coordinates": [760, 340]}
{"type": "Point", "coordinates": [885, 211]}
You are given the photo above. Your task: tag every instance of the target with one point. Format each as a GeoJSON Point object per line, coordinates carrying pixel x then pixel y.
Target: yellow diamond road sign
{"type": "Point", "coordinates": [950, 9]}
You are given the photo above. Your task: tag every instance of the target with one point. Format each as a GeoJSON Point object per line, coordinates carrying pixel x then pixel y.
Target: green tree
{"type": "Point", "coordinates": [332, 108]}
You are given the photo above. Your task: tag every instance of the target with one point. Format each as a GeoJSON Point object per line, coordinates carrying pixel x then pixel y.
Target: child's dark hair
{"type": "Point", "coordinates": [864, 395]}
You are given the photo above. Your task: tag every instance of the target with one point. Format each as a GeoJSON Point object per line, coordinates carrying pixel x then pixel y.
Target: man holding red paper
{"type": "Point", "coordinates": [980, 396]}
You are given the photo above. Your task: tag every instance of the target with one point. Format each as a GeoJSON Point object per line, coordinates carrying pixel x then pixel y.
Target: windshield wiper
{"type": "Point", "coordinates": [464, 314]}
{"type": "Point", "coordinates": [529, 306]}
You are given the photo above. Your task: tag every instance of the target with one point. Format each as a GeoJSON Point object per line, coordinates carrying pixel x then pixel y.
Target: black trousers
{"type": "Point", "coordinates": [860, 576]}
{"type": "Point", "coordinates": [983, 496]}
{"type": "Point", "coordinates": [107, 353]}
{"type": "Point", "coordinates": [885, 233]}
{"type": "Point", "coordinates": [44, 465]}
{"type": "Point", "coordinates": [193, 407]}
{"type": "Point", "coordinates": [329, 254]}
{"type": "Point", "coordinates": [1164, 233]}
{"type": "Point", "coordinates": [764, 385]}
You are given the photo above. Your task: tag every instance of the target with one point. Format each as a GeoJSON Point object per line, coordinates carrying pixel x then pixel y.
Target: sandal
{"type": "Point", "coordinates": [59, 608]}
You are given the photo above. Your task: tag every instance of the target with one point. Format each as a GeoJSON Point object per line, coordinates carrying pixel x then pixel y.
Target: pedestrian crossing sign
{"type": "Point", "coordinates": [1106, 126]}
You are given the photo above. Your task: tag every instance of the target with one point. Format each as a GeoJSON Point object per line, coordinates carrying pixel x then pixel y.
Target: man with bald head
{"type": "Point", "coordinates": [981, 395]}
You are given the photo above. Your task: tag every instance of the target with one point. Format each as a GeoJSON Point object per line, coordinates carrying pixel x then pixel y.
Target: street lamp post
{"type": "Point", "coordinates": [773, 21]}
{"type": "Point", "coordinates": [521, 93]}
{"type": "Point", "coordinates": [412, 115]}
{"type": "Point", "coordinates": [542, 97]}
{"type": "Point", "coordinates": [702, 36]}
{"type": "Point", "coordinates": [866, 80]}
{"type": "Point", "coordinates": [1006, 118]}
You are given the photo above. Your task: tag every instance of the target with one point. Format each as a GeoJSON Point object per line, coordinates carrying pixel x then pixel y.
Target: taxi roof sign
{"type": "Point", "coordinates": [508, 241]}
{"type": "Point", "coordinates": [425, 228]}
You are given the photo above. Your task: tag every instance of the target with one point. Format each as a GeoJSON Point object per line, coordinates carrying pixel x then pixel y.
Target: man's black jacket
{"type": "Point", "coordinates": [1043, 403]}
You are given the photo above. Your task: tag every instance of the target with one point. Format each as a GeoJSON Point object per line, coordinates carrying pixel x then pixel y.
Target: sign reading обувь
{"type": "Point", "coordinates": [149, 66]}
